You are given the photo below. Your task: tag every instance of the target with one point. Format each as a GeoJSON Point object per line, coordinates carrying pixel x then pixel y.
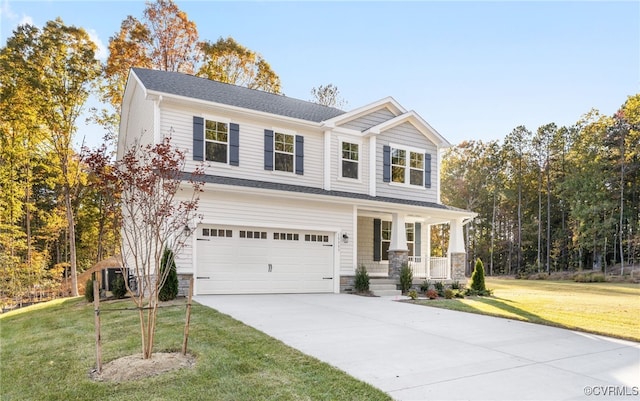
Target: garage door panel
{"type": "Point", "coordinates": [245, 260]}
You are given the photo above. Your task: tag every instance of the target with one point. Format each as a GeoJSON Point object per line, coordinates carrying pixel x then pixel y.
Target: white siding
{"type": "Point", "coordinates": [139, 119]}
{"type": "Point", "coordinates": [365, 122]}
{"type": "Point", "coordinates": [345, 184]}
{"type": "Point", "coordinates": [219, 207]}
{"type": "Point", "coordinates": [407, 135]}
{"type": "Point", "coordinates": [251, 166]}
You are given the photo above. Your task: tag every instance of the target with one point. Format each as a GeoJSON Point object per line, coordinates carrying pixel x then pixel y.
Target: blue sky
{"type": "Point", "coordinates": [473, 70]}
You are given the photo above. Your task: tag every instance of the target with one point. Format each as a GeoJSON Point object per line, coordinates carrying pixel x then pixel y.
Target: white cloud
{"type": "Point", "coordinates": [101, 53]}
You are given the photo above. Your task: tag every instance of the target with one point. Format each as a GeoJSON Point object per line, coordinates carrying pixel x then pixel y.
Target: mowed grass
{"type": "Point", "coordinates": [610, 309]}
{"type": "Point", "coordinates": [47, 352]}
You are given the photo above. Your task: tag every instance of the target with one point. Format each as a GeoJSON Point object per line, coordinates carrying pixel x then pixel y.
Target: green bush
{"type": "Point", "coordinates": [169, 290]}
{"type": "Point", "coordinates": [456, 285]}
{"type": "Point", "coordinates": [362, 279]}
{"type": "Point", "coordinates": [413, 294]}
{"type": "Point", "coordinates": [477, 278]}
{"type": "Point", "coordinates": [448, 293]}
{"type": "Point", "coordinates": [424, 287]}
{"type": "Point", "coordinates": [88, 291]}
{"type": "Point", "coordinates": [406, 278]}
{"type": "Point", "coordinates": [589, 278]}
{"type": "Point", "coordinates": [119, 290]}
{"type": "Point", "coordinates": [439, 286]}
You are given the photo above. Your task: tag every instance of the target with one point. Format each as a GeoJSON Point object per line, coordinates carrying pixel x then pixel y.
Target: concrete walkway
{"type": "Point", "coordinates": [421, 353]}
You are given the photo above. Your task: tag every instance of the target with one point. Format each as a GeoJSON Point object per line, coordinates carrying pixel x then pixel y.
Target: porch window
{"type": "Point", "coordinates": [350, 158]}
{"type": "Point", "coordinates": [385, 238]}
{"type": "Point", "coordinates": [216, 139]}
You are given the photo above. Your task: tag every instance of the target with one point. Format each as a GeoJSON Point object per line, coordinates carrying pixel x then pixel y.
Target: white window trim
{"type": "Point", "coordinates": [341, 140]}
{"type": "Point", "coordinates": [286, 132]}
{"type": "Point", "coordinates": [209, 117]}
{"type": "Point", "coordinates": [407, 167]}
{"type": "Point", "coordinates": [408, 242]}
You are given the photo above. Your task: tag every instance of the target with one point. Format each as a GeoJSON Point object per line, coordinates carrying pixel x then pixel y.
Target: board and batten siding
{"type": "Point", "coordinates": [365, 122]}
{"type": "Point", "coordinates": [251, 150]}
{"type": "Point", "coordinates": [406, 135]}
{"type": "Point", "coordinates": [338, 183]}
{"type": "Point", "coordinates": [225, 208]}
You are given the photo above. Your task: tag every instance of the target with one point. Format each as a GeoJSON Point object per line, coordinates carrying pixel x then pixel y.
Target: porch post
{"type": "Point", "coordinates": [427, 254]}
{"type": "Point", "coordinates": [398, 249]}
{"type": "Point", "coordinates": [457, 253]}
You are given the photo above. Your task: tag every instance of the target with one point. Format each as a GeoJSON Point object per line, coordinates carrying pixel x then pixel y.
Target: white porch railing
{"type": "Point", "coordinates": [438, 268]}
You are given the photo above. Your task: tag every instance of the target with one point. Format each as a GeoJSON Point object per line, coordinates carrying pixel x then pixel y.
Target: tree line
{"type": "Point", "coordinates": [56, 216]}
{"type": "Point", "coordinates": [554, 199]}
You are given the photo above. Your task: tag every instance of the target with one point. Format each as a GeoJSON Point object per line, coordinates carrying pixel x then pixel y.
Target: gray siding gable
{"type": "Point", "coordinates": [190, 86]}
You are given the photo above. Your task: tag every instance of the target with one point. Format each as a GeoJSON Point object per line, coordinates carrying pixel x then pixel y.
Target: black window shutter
{"type": "Point", "coordinates": [198, 138]}
{"type": "Point", "coordinates": [234, 144]}
{"type": "Point", "coordinates": [377, 239]}
{"type": "Point", "coordinates": [417, 239]}
{"type": "Point", "coordinates": [427, 170]}
{"type": "Point", "coordinates": [268, 149]}
{"type": "Point", "coordinates": [386, 163]}
{"type": "Point", "coordinates": [299, 154]}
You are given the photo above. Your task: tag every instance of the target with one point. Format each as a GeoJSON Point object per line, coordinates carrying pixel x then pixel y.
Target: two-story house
{"type": "Point", "coordinates": [298, 195]}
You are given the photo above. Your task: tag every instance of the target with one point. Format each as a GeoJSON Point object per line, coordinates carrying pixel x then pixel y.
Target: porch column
{"type": "Point", "coordinates": [398, 249]}
{"type": "Point", "coordinates": [427, 254]}
{"type": "Point", "coordinates": [457, 253]}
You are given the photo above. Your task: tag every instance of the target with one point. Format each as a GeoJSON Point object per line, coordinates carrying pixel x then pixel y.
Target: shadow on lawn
{"type": "Point", "coordinates": [521, 313]}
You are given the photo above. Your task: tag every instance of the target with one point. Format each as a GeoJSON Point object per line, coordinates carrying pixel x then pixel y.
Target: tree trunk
{"type": "Point", "coordinates": [72, 241]}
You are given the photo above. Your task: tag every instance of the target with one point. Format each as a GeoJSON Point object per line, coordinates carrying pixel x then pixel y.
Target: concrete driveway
{"type": "Point", "coordinates": [421, 353]}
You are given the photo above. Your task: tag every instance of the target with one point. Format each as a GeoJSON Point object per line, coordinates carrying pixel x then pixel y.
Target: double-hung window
{"type": "Point", "coordinates": [385, 238]}
{"type": "Point", "coordinates": [216, 139]}
{"type": "Point", "coordinates": [350, 156]}
{"type": "Point", "coordinates": [408, 166]}
{"type": "Point", "coordinates": [283, 152]}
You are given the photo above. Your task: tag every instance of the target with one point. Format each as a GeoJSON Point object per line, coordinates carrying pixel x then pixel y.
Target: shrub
{"type": "Point", "coordinates": [432, 294]}
{"type": "Point", "coordinates": [413, 294]}
{"type": "Point", "coordinates": [119, 290]}
{"type": "Point", "coordinates": [459, 293]}
{"type": "Point", "coordinates": [362, 279]}
{"type": "Point", "coordinates": [448, 293]}
{"type": "Point", "coordinates": [456, 285]}
{"type": "Point", "coordinates": [424, 287]}
{"type": "Point", "coordinates": [439, 286]}
{"type": "Point", "coordinates": [88, 291]}
{"type": "Point", "coordinates": [169, 290]}
{"type": "Point", "coordinates": [477, 278]}
{"type": "Point", "coordinates": [406, 278]}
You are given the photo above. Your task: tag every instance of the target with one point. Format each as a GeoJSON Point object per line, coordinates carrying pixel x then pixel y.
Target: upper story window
{"type": "Point", "coordinates": [283, 152]}
{"type": "Point", "coordinates": [216, 138]}
{"type": "Point", "coordinates": [406, 166]}
{"type": "Point", "coordinates": [350, 157]}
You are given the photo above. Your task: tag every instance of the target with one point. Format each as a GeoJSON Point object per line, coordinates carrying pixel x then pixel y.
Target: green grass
{"type": "Point", "coordinates": [611, 309]}
{"type": "Point", "coordinates": [47, 352]}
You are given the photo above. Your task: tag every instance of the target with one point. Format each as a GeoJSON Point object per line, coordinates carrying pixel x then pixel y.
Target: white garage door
{"type": "Point", "coordinates": [249, 260]}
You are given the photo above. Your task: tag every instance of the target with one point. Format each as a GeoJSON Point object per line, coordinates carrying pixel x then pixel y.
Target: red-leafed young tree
{"type": "Point", "coordinates": [159, 204]}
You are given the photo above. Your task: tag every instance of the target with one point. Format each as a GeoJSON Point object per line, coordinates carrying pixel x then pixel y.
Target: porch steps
{"type": "Point", "coordinates": [383, 287]}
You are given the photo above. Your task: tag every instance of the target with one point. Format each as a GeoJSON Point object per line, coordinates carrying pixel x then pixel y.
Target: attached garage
{"type": "Point", "coordinates": [253, 260]}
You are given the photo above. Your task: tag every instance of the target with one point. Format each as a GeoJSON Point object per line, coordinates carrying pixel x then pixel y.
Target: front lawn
{"type": "Point", "coordinates": [611, 309]}
{"type": "Point", "coordinates": [48, 351]}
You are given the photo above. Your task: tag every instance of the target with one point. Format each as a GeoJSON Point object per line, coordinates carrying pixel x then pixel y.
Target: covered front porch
{"type": "Point", "coordinates": [388, 240]}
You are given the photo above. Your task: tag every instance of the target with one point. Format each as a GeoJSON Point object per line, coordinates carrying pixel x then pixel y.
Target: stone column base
{"type": "Point", "coordinates": [458, 264]}
{"type": "Point", "coordinates": [397, 259]}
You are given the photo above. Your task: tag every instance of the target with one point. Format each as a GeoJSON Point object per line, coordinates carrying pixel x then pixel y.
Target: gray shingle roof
{"type": "Point", "coordinates": [241, 182]}
{"type": "Point", "coordinates": [180, 84]}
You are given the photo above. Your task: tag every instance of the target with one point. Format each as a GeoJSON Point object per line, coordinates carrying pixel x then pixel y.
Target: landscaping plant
{"type": "Point", "coordinates": [406, 278]}
{"type": "Point", "coordinates": [170, 288]}
{"type": "Point", "coordinates": [362, 280]}
{"type": "Point", "coordinates": [477, 279]}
